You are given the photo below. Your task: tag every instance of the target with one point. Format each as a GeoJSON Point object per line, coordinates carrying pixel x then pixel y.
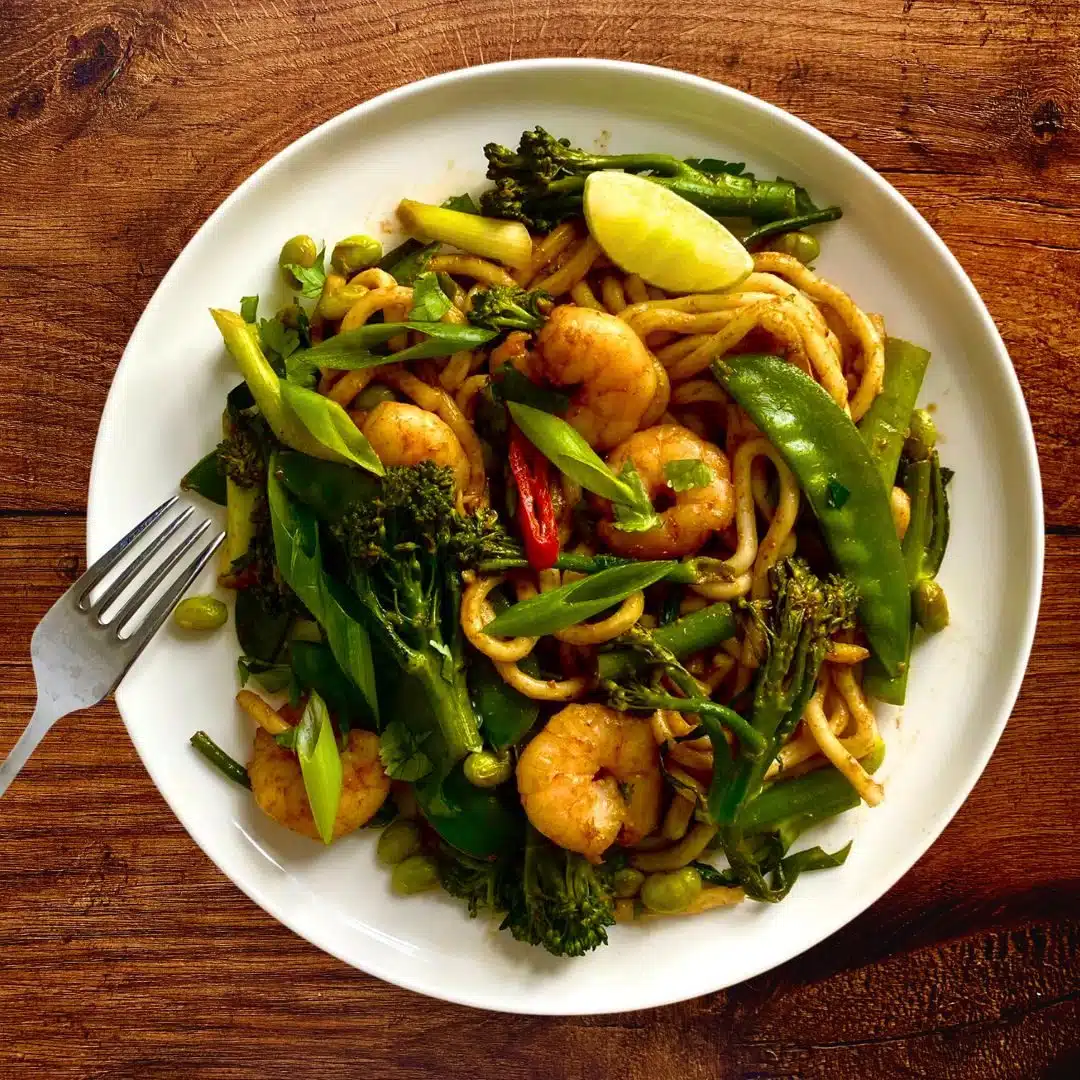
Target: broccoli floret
{"type": "Point", "coordinates": [405, 548]}
{"type": "Point", "coordinates": [541, 184]}
{"type": "Point", "coordinates": [551, 897]}
{"type": "Point", "coordinates": [508, 307]}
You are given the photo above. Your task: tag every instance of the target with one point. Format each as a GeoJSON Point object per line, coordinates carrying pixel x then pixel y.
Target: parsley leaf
{"type": "Point", "coordinates": [310, 279]}
{"type": "Point", "coordinates": [249, 306]}
{"type": "Point", "coordinates": [687, 473]}
{"type": "Point", "coordinates": [636, 514]}
{"type": "Point", "coordinates": [400, 753]}
{"type": "Point", "coordinates": [430, 303]}
{"type": "Point", "coordinates": [276, 338]}
{"type": "Point", "coordinates": [836, 494]}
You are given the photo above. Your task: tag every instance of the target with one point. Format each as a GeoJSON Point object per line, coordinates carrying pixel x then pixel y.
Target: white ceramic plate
{"type": "Point", "coordinates": [425, 141]}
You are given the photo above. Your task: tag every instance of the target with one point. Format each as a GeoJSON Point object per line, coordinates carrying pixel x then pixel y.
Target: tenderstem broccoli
{"type": "Point", "coordinates": [508, 307]}
{"type": "Point", "coordinates": [541, 183]}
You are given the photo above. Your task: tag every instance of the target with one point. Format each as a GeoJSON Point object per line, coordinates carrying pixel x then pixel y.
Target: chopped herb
{"type": "Point", "coordinates": [687, 473]}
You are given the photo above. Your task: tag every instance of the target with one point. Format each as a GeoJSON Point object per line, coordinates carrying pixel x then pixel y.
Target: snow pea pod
{"type": "Point", "coordinates": [824, 450]}
{"type": "Point", "coordinates": [885, 425]}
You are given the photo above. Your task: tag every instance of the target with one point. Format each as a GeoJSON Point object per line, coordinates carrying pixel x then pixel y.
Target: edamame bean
{"type": "Point", "coordinates": [486, 769]}
{"type": "Point", "coordinates": [922, 436]}
{"type": "Point", "coordinates": [671, 892]}
{"type": "Point", "coordinates": [801, 245]}
{"type": "Point", "coordinates": [627, 882]}
{"type": "Point", "coordinates": [373, 394]}
{"type": "Point", "coordinates": [300, 250]}
{"type": "Point", "coordinates": [416, 874]}
{"type": "Point", "coordinates": [397, 842]}
{"type": "Point", "coordinates": [356, 253]}
{"type": "Point", "coordinates": [931, 606]}
{"type": "Point", "coordinates": [200, 613]}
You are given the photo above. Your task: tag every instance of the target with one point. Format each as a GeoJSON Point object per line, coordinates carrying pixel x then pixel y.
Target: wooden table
{"type": "Point", "coordinates": [123, 952]}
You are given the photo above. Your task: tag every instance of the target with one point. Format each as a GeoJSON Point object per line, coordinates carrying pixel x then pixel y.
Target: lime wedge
{"type": "Point", "coordinates": [648, 230]}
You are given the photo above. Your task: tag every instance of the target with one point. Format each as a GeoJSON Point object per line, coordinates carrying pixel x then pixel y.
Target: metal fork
{"type": "Point", "coordinates": [79, 650]}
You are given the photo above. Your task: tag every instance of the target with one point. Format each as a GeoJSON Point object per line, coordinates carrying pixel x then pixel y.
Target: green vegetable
{"type": "Point", "coordinates": [505, 242]}
{"type": "Point", "coordinates": [931, 606]}
{"type": "Point", "coordinates": [300, 251]}
{"type": "Point", "coordinates": [308, 279]}
{"type": "Point", "coordinates": [542, 182]}
{"type": "Point", "coordinates": [221, 761]}
{"type": "Point", "coordinates": [922, 436]}
{"type": "Point", "coordinates": [277, 340]}
{"type": "Point", "coordinates": [627, 882]}
{"type": "Point", "coordinates": [299, 559]}
{"type": "Point", "coordinates": [331, 426]}
{"type": "Point", "coordinates": [351, 350]}
{"type": "Point", "coordinates": [884, 427]}
{"type": "Point", "coordinates": [355, 253]}
{"type": "Point", "coordinates": [564, 447]}
{"type": "Point", "coordinates": [373, 394]}
{"type": "Point", "coordinates": [509, 384]}
{"type": "Point", "coordinates": [787, 226]}
{"type": "Point", "coordinates": [687, 474]}
{"type": "Point", "coordinates": [692, 633]}
{"type": "Point", "coordinates": [631, 694]}
{"type": "Point", "coordinates": [207, 479]}
{"type": "Point", "coordinates": [821, 446]}
{"type": "Point", "coordinates": [314, 667]}
{"type": "Point", "coordinates": [576, 601]}
{"type": "Point", "coordinates": [416, 874]}
{"type": "Point", "coordinates": [836, 495]}
{"type": "Point", "coordinates": [397, 842]}
{"type": "Point", "coordinates": [430, 303]}
{"type": "Point", "coordinates": [803, 246]}
{"type": "Point", "coordinates": [200, 613]}
{"type": "Point", "coordinates": [249, 308]}
{"type": "Point", "coordinates": [670, 893]}
{"type": "Point", "coordinates": [506, 714]}
{"type": "Point", "coordinates": [752, 860]}
{"type": "Point", "coordinates": [485, 769]}
{"type": "Point", "coordinates": [320, 764]}
{"type": "Point", "coordinates": [411, 261]}
{"type": "Point", "coordinates": [483, 822]}
{"type": "Point", "coordinates": [509, 307]}
{"type": "Point", "coordinates": [273, 678]}
{"type": "Point", "coordinates": [268, 391]}
{"type": "Point", "coordinates": [804, 614]}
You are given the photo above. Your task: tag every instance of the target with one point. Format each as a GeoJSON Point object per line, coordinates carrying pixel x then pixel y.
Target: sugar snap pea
{"type": "Point", "coordinates": [833, 466]}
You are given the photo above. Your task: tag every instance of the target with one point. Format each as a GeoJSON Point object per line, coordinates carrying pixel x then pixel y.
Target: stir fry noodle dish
{"type": "Point", "coordinates": [572, 541]}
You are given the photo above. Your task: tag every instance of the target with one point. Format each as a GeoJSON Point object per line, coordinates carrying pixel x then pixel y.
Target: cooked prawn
{"type": "Point", "coordinates": [614, 373]}
{"type": "Point", "coordinates": [278, 784]}
{"type": "Point", "coordinates": [694, 515]}
{"type": "Point", "coordinates": [572, 778]}
{"type": "Point", "coordinates": [403, 434]}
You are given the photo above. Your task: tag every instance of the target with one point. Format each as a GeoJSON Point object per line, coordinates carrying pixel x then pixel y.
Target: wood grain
{"type": "Point", "coordinates": [124, 952]}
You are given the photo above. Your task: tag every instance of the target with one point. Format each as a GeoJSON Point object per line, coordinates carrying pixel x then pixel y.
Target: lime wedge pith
{"type": "Point", "coordinates": [648, 230]}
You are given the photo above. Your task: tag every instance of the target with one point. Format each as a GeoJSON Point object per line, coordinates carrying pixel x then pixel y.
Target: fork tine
{"type": "Point", "coordinates": [109, 597]}
{"type": "Point", "coordinates": [160, 611]}
{"type": "Point", "coordinates": [145, 590]}
{"type": "Point", "coordinates": [98, 570]}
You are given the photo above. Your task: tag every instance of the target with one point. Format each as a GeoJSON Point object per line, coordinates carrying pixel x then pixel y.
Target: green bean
{"type": "Point", "coordinates": [416, 874]}
{"type": "Point", "coordinates": [823, 449]}
{"type": "Point", "coordinates": [885, 425]}
{"type": "Point", "coordinates": [484, 769]}
{"type": "Point", "coordinates": [356, 253]}
{"type": "Point", "coordinates": [397, 842]}
{"type": "Point", "coordinates": [801, 245]}
{"type": "Point", "coordinates": [221, 761]}
{"type": "Point", "coordinates": [698, 630]}
{"type": "Point", "coordinates": [669, 893]}
{"type": "Point", "coordinates": [627, 882]}
{"type": "Point", "coordinates": [200, 613]}
{"type": "Point", "coordinates": [300, 250]}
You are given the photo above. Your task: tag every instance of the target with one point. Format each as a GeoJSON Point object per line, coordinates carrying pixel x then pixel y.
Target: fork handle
{"type": "Point", "coordinates": [43, 719]}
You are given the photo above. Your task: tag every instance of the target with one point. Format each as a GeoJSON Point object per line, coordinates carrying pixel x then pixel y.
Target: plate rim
{"type": "Point", "coordinates": [1034, 504]}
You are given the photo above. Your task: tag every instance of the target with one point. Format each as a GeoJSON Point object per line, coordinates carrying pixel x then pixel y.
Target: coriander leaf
{"type": "Point", "coordinates": [310, 278]}
{"type": "Point", "coordinates": [407, 269]}
{"type": "Point", "coordinates": [249, 306]}
{"type": "Point", "coordinates": [400, 753]}
{"type": "Point", "coordinates": [430, 303]}
{"type": "Point", "coordinates": [273, 678]}
{"type": "Point", "coordinates": [287, 739]}
{"type": "Point", "coordinates": [687, 473]}
{"type": "Point", "coordinates": [276, 338]}
{"type": "Point", "coordinates": [835, 494]}
{"type": "Point", "coordinates": [463, 204]}
{"type": "Point", "coordinates": [635, 514]}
